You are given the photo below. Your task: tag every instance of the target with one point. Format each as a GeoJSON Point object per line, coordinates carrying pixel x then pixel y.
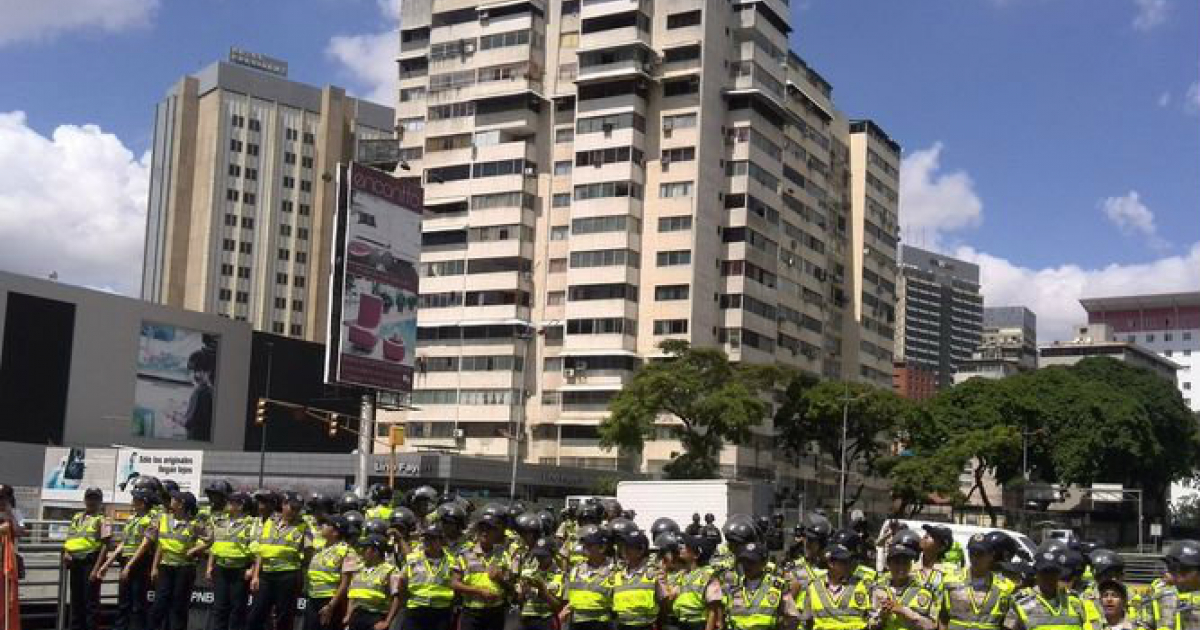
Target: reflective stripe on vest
{"type": "Point", "coordinates": [83, 535]}
{"type": "Point", "coordinates": [588, 594]}
{"type": "Point", "coordinates": [965, 614]}
{"type": "Point", "coordinates": [1038, 614]}
{"type": "Point", "coordinates": [231, 537]}
{"type": "Point", "coordinates": [475, 567]}
{"type": "Point", "coordinates": [281, 546]}
{"type": "Point", "coordinates": [133, 534]}
{"type": "Point", "coordinates": [848, 612]}
{"type": "Point", "coordinates": [428, 582]}
{"type": "Point", "coordinates": [633, 597]}
{"type": "Point", "coordinates": [175, 538]}
{"type": "Point", "coordinates": [689, 605]}
{"type": "Point", "coordinates": [914, 597]}
{"type": "Point", "coordinates": [753, 610]}
{"type": "Point", "coordinates": [325, 570]}
{"type": "Point", "coordinates": [535, 605]}
{"type": "Point", "coordinates": [370, 589]}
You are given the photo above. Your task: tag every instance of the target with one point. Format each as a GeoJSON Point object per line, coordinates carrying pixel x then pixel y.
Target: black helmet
{"type": "Point", "coordinates": [612, 507]}
{"type": "Point", "coordinates": [527, 522]}
{"type": "Point", "coordinates": [496, 513]}
{"type": "Point", "coordinates": [667, 542]}
{"type": "Point", "coordinates": [375, 526]}
{"type": "Point", "coordinates": [549, 523]}
{"type": "Point", "coordinates": [1003, 545]}
{"type": "Point", "coordinates": [93, 493]}
{"type": "Point", "coordinates": [452, 513]}
{"type": "Point", "coordinates": [908, 538]}
{"type": "Point", "coordinates": [712, 534]}
{"type": "Point", "coordinates": [662, 526]}
{"type": "Point", "coordinates": [375, 541]}
{"type": "Point", "coordinates": [219, 487]}
{"type": "Point", "coordinates": [340, 524]}
{"type": "Point", "coordinates": [320, 503]}
{"type": "Point", "coordinates": [403, 519]}
{"type": "Point", "coordinates": [620, 526]}
{"type": "Point", "coordinates": [762, 523]}
{"type": "Point", "coordinates": [349, 503]}
{"type": "Point", "coordinates": [241, 498]}
{"type": "Point", "coordinates": [740, 531]}
{"type": "Point", "coordinates": [1106, 561]}
{"type": "Point", "coordinates": [591, 512]}
{"type": "Point", "coordinates": [516, 507]}
{"type": "Point", "coordinates": [188, 500]}
{"type": "Point", "coordinates": [1183, 553]}
{"type": "Point", "coordinates": [635, 538]}
{"type": "Point", "coordinates": [381, 494]}
{"type": "Point", "coordinates": [424, 493]}
{"type": "Point", "coordinates": [262, 495]}
{"type": "Point", "coordinates": [293, 499]}
{"type": "Point", "coordinates": [817, 527]}
{"type": "Point", "coordinates": [140, 494]}
{"type": "Point", "coordinates": [592, 535]}
{"type": "Point", "coordinates": [354, 519]}
{"type": "Point", "coordinates": [170, 486]}
{"type": "Point", "coordinates": [847, 538]}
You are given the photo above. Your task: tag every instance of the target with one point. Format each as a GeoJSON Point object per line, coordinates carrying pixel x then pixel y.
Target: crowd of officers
{"type": "Point", "coordinates": [426, 562]}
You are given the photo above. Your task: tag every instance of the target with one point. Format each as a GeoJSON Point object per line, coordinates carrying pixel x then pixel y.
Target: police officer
{"type": "Point", "coordinates": [587, 588]}
{"type": "Point", "coordinates": [739, 531]}
{"type": "Point", "coordinates": [229, 558]}
{"type": "Point", "coordinates": [135, 557]}
{"type": "Point", "coordinates": [425, 583]}
{"type": "Point", "coordinates": [853, 541]}
{"type": "Point", "coordinates": [281, 551]}
{"type": "Point", "coordinates": [486, 572]}
{"type": "Point", "coordinates": [453, 519]}
{"type": "Point", "coordinates": [381, 502]}
{"type": "Point", "coordinates": [1176, 605]}
{"type": "Point", "coordinates": [540, 587]}
{"type": "Point", "coordinates": [181, 539]}
{"type": "Point", "coordinates": [1048, 605]}
{"type": "Point", "coordinates": [693, 592]}
{"type": "Point", "coordinates": [899, 602]}
{"type": "Point", "coordinates": [373, 589]}
{"type": "Point", "coordinates": [318, 506]}
{"type": "Point", "coordinates": [755, 599]}
{"type": "Point", "coordinates": [934, 571]}
{"type": "Point", "coordinates": [88, 536]}
{"type": "Point", "coordinates": [349, 503]}
{"type": "Point", "coordinates": [636, 590]}
{"type": "Point", "coordinates": [814, 533]}
{"type": "Point", "coordinates": [329, 574]}
{"type": "Point", "coordinates": [402, 526]}
{"type": "Point", "coordinates": [423, 502]}
{"type": "Point", "coordinates": [1106, 566]}
{"type": "Point", "coordinates": [981, 600]}
{"type": "Point", "coordinates": [217, 493]}
{"type": "Point", "coordinates": [837, 601]}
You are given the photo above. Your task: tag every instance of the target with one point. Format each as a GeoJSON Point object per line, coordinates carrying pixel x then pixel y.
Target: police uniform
{"type": "Point", "coordinates": [589, 595]}
{"type": "Point", "coordinates": [971, 605]}
{"type": "Point", "coordinates": [801, 573]}
{"type": "Point", "coordinates": [635, 596]}
{"type": "Point", "coordinates": [382, 512]}
{"type": "Point", "coordinates": [324, 577]}
{"type": "Point", "coordinates": [763, 603]}
{"type": "Point", "coordinates": [87, 537]}
{"type": "Point", "coordinates": [229, 557]}
{"type": "Point", "coordinates": [280, 550]}
{"type": "Point", "coordinates": [176, 569]}
{"type": "Point", "coordinates": [476, 566]}
{"type": "Point", "coordinates": [1169, 609]}
{"type": "Point", "coordinates": [1033, 611]}
{"type": "Point", "coordinates": [132, 601]}
{"type": "Point", "coordinates": [842, 607]}
{"type": "Point", "coordinates": [371, 593]}
{"type": "Point", "coordinates": [429, 597]}
{"type": "Point", "coordinates": [914, 596]}
{"type": "Point", "coordinates": [694, 591]}
{"type": "Point", "coordinates": [536, 613]}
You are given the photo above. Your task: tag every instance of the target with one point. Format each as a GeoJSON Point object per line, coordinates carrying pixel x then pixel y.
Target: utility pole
{"type": "Point", "coordinates": [262, 440]}
{"type": "Point", "coordinates": [842, 480]}
{"type": "Point", "coordinates": [366, 436]}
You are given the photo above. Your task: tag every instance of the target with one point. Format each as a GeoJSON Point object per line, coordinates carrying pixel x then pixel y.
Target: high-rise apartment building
{"type": "Point", "coordinates": [941, 308]}
{"type": "Point", "coordinates": [603, 175]}
{"type": "Point", "coordinates": [242, 193]}
{"type": "Point", "coordinates": [1007, 346]}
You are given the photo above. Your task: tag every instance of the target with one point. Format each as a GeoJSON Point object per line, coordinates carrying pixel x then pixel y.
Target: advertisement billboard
{"type": "Point", "coordinates": [175, 385]}
{"type": "Point", "coordinates": [182, 467]}
{"type": "Point", "coordinates": [68, 472]}
{"type": "Point", "coordinates": [373, 292]}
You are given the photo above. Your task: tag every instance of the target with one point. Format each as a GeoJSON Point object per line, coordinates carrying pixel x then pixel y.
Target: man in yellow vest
{"type": "Point", "coordinates": [899, 602]}
{"type": "Point", "coordinates": [426, 590]}
{"type": "Point", "coordinates": [637, 591]}
{"type": "Point", "coordinates": [1049, 605]}
{"type": "Point", "coordinates": [373, 590]}
{"type": "Point", "coordinates": [587, 588]}
{"type": "Point", "coordinates": [181, 540]}
{"type": "Point", "coordinates": [329, 574]}
{"type": "Point", "coordinates": [135, 558]}
{"type": "Point", "coordinates": [982, 598]}
{"type": "Point", "coordinates": [83, 555]}
{"type": "Point", "coordinates": [281, 552]}
{"type": "Point", "coordinates": [756, 599]}
{"type": "Point", "coordinates": [836, 600]}
{"type": "Point", "coordinates": [229, 560]}
{"type": "Point", "coordinates": [485, 566]}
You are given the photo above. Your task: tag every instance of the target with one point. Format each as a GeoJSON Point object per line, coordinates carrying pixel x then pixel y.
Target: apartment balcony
{"type": "Point", "coordinates": [625, 59]}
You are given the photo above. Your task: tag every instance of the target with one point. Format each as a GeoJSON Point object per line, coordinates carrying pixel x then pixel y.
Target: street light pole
{"type": "Point", "coordinates": [842, 480]}
{"type": "Point", "coordinates": [262, 440]}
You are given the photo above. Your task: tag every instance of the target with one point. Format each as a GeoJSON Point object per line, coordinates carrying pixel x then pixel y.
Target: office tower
{"type": "Point", "coordinates": [941, 308]}
{"type": "Point", "coordinates": [601, 176]}
{"type": "Point", "coordinates": [1008, 345]}
{"type": "Point", "coordinates": [242, 193]}
{"type": "Point", "coordinates": [874, 243]}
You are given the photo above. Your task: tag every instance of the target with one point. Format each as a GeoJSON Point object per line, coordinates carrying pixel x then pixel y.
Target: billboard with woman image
{"type": "Point", "coordinates": [175, 386]}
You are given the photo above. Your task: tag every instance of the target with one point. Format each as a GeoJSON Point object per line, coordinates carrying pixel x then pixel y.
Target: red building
{"type": "Point", "coordinates": [912, 381]}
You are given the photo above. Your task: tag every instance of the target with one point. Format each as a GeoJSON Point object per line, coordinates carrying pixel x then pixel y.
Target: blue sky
{"type": "Point", "coordinates": [1055, 142]}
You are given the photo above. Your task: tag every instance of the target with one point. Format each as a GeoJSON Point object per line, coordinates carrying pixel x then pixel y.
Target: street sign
{"type": "Point", "coordinates": [1156, 530]}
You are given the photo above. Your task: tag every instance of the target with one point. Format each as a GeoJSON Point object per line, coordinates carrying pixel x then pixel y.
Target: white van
{"type": "Point", "coordinates": [961, 533]}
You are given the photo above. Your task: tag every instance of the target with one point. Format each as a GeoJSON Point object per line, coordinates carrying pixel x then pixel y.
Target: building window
{"type": "Point", "coordinates": [306, 162]}
{"type": "Point", "coordinates": [291, 134]}
{"type": "Point", "coordinates": [1167, 336]}
{"type": "Point", "coordinates": [559, 232]}
{"type": "Point", "coordinates": [558, 265]}
{"type": "Point", "coordinates": [289, 157]}
{"type": "Point", "coordinates": [286, 206]}
{"type": "Point", "coordinates": [678, 121]}
{"type": "Point", "coordinates": [1150, 338]}
{"type": "Point", "coordinates": [231, 220]}
{"type": "Point", "coordinates": [309, 138]}
{"type": "Point", "coordinates": [674, 258]}
{"type": "Point", "coordinates": [1187, 336]}
{"type": "Point", "coordinates": [235, 170]}
{"type": "Point", "coordinates": [675, 189]}
{"type": "Point", "coordinates": [681, 20]}
{"type": "Point", "coordinates": [281, 278]}
{"type": "Point", "coordinates": [305, 209]}
{"type": "Point", "coordinates": [237, 121]}
{"type": "Point", "coordinates": [681, 154]}
{"type": "Point", "coordinates": [231, 194]}
{"type": "Point", "coordinates": [249, 198]}
{"type": "Point", "coordinates": [561, 200]}
{"type": "Point", "coordinates": [682, 87]}
{"type": "Point", "coordinates": [255, 124]}
{"type": "Point", "coordinates": [248, 223]}
{"type": "Point", "coordinates": [302, 234]}
{"type": "Point", "coordinates": [298, 305]}
{"type": "Point", "coordinates": [251, 149]}
{"type": "Point", "coordinates": [564, 135]}
{"type": "Point", "coordinates": [670, 326]}
{"type": "Point", "coordinates": [296, 330]}
{"type": "Point", "coordinates": [301, 258]}
{"type": "Point", "coordinates": [284, 254]}
{"type": "Point", "coordinates": [228, 245]}
{"type": "Point", "coordinates": [243, 273]}
{"type": "Point", "coordinates": [252, 174]}
{"type": "Point", "coordinates": [224, 295]}
{"type": "Point", "coordinates": [556, 298]}
{"type": "Point", "coordinates": [277, 328]}
{"type": "Point", "coordinates": [285, 229]}
{"type": "Point", "coordinates": [235, 145]}
{"type": "Point", "coordinates": [242, 297]}
{"type": "Point", "coordinates": [226, 269]}
{"type": "Point", "coordinates": [305, 185]}
{"type": "Point", "coordinates": [675, 224]}
{"type": "Point", "coordinates": [298, 282]}
{"type": "Point", "coordinates": [289, 182]}
{"type": "Point", "coordinates": [671, 292]}
{"type": "Point", "coordinates": [280, 303]}
{"type": "Point", "coordinates": [613, 223]}
{"type": "Point", "coordinates": [562, 167]}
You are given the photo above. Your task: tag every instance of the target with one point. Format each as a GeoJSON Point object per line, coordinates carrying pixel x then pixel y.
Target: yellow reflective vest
{"type": "Point", "coordinates": [968, 610]}
{"type": "Point", "coordinates": [231, 541]}
{"type": "Point", "coordinates": [754, 608]}
{"type": "Point", "coordinates": [281, 546]}
{"type": "Point", "coordinates": [83, 535]}
{"type": "Point", "coordinates": [428, 580]}
{"type": "Point", "coordinates": [589, 593]}
{"type": "Point", "coordinates": [634, 596]}
{"type": "Point", "coordinates": [175, 538]}
{"type": "Point", "coordinates": [1063, 612]}
{"type": "Point", "coordinates": [325, 570]}
{"type": "Point", "coordinates": [848, 610]}
{"type": "Point", "coordinates": [371, 588]}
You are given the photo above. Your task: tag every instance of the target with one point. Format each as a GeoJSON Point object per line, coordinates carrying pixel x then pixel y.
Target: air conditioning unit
{"type": "Point", "coordinates": [530, 171]}
{"type": "Point", "coordinates": [468, 47]}
{"type": "Point", "coordinates": [569, 373]}
{"type": "Point", "coordinates": [460, 434]}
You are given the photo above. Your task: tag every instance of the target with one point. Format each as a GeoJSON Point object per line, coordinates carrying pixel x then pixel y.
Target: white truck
{"type": "Point", "coordinates": [679, 500]}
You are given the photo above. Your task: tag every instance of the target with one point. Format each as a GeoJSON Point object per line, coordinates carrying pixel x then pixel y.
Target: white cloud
{"type": "Point", "coordinates": [36, 20]}
{"type": "Point", "coordinates": [1191, 100]}
{"type": "Point", "coordinates": [1164, 99]}
{"type": "Point", "coordinates": [933, 202]}
{"type": "Point", "coordinates": [369, 59]}
{"type": "Point", "coordinates": [1150, 13]}
{"type": "Point", "coordinates": [1132, 217]}
{"type": "Point", "coordinates": [73, 203]}
{"type": "Point", "coordinates": [1053, 292]}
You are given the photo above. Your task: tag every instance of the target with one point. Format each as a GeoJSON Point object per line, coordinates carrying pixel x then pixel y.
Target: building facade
{"type": "Point", "coordinates": [1008, 345]}
{"type": "Point", "coordinates": [941, 308]}
{"type": "Point", "coordinates": [603, 175]}
{"type": "Point", "coordinates": [1167, 324]}
{"type": "Point", "coordinates": [1099, 340]}
{"type": "Point", "coordinates": [242, 194]}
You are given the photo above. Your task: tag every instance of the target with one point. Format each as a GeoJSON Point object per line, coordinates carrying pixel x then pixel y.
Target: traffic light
{"type": "Point", "coordinates": [333, 425]}
{"type": "Point", "coordinates": [396, 434]}
{"type": "Point", "coordinates": [260, 412]}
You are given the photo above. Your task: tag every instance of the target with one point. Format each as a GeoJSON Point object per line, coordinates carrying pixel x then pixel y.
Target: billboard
{"type": "Point", "coordinates": [182, 467]}
{"type": "Point", "coordinates": [175, 384]}
{"type": "Point", "coordinates": [68, 472]}
{"type": "Point", "coordinates": [373, 292]}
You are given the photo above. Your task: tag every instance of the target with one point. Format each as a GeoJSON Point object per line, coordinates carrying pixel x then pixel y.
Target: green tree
{"type": "Point", "coordinates": [1186, 512]}
{"type": "Point", "coordinates": [916, 478]}
{"type": "Point", "coordinates": [714, 400]}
